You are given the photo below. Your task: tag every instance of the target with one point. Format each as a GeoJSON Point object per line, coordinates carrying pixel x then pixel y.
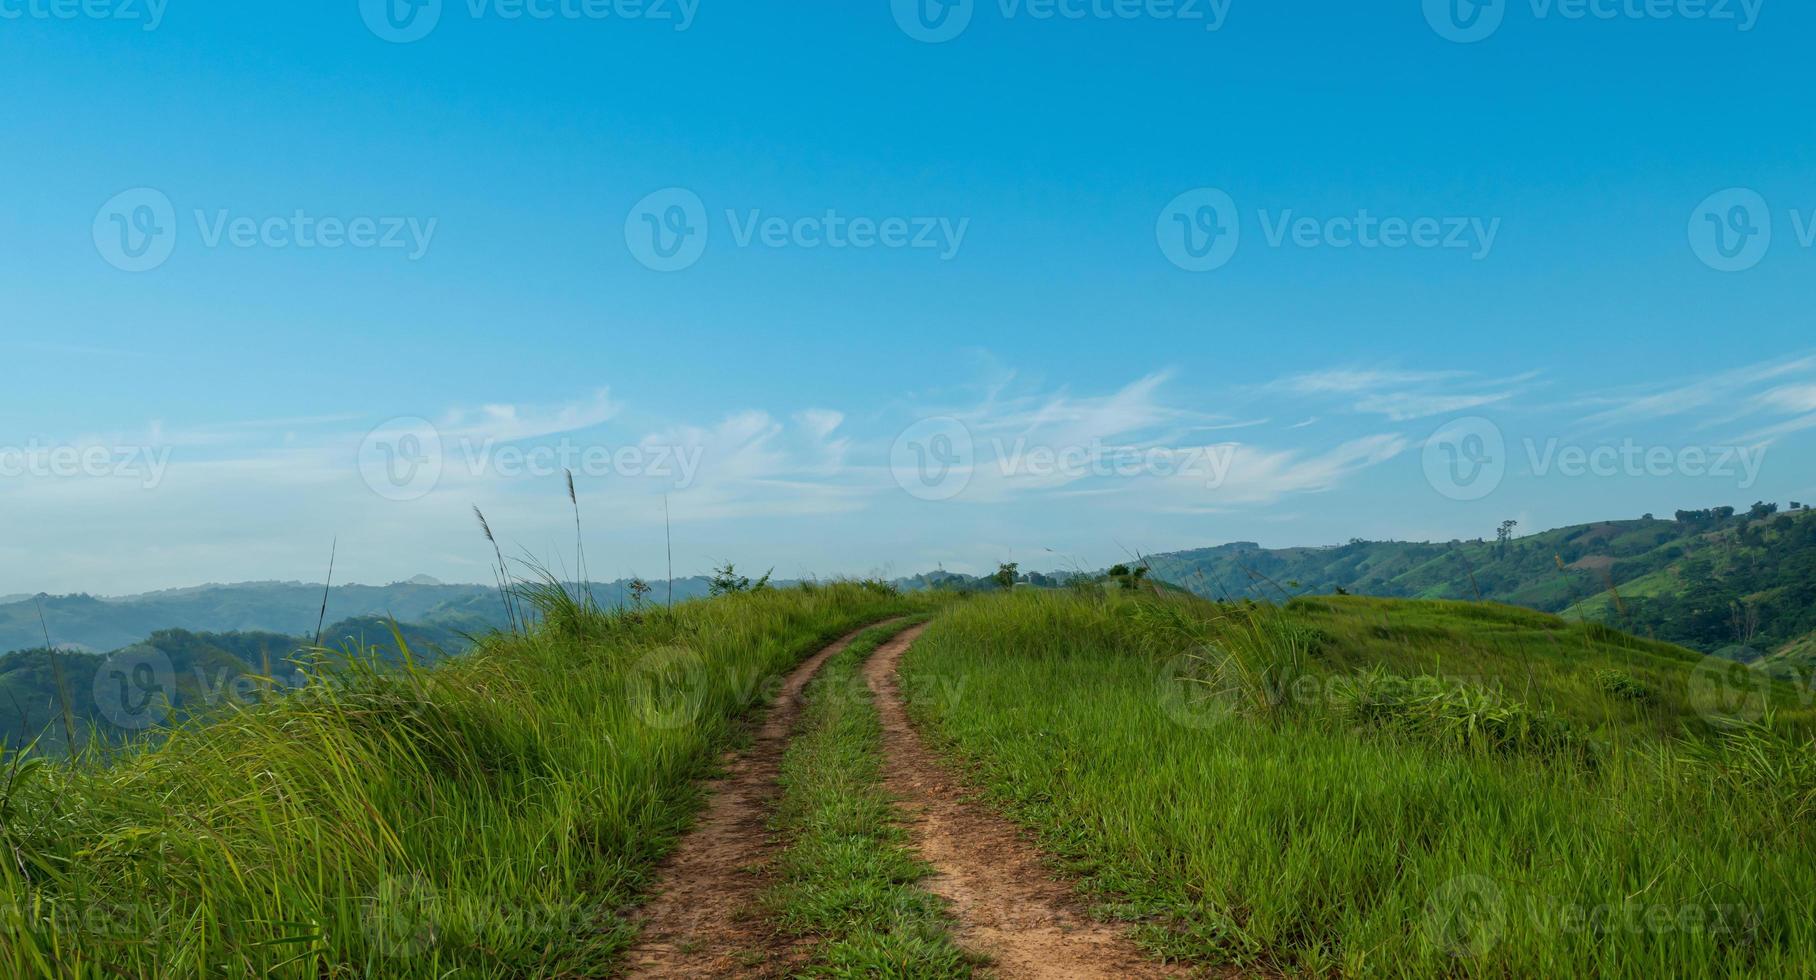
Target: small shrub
{"type": "Point", "coordinates": [1762, 762]}
{"type": "Point", "coordinates": [1624, 686]}
{"type": "Point", "coordinates": [1456, 715]}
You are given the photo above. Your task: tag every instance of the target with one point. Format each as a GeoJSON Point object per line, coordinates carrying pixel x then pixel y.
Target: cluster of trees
{"type": "Point", "coordinates": [1755, 589]}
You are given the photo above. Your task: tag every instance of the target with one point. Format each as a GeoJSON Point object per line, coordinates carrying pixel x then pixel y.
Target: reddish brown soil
{"type": "Point", "coordinates": [702, 921]}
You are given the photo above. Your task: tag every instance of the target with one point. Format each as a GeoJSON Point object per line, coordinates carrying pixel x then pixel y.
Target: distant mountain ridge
{"type": "Point", "coordinates": [1741, 583]}
{"type": "Point", "coordinates": [173, 672]}
{"type": "Point", "coordinates": [1722, 580]}
{"type": "Point", "coordinates": [96, 624]}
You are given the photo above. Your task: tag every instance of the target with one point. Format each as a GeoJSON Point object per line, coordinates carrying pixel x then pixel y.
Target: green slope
{"type": "Point", "coordinates": [1388, 788]}
{"type": "Point", "coordinates": [1676, 580]}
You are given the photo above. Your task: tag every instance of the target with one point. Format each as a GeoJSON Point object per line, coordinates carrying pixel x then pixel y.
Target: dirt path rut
{"type": "Point", "coordinates": [702, 921]}
{"type": "Point", "coordinates": [1009, 907]}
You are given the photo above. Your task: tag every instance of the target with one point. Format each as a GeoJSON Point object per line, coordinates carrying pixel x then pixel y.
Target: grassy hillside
{"type": "Point", "coordinates": [1677, 580]}
{"type": "Point", "coordinates": [1369, 787]}
{"type": "Point", "coordinates": [493, 816]}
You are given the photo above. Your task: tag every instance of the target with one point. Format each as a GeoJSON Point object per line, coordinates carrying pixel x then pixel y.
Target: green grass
{"type": "Point", "coordinates": [496, 816]}
{"type": "Point", "coordinates": [848, 875]}
{"type": "Point", "coordinates": [1206, 772]}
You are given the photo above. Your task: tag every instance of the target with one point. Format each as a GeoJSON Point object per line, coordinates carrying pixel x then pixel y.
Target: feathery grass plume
{"type": "Point", "coordinates": [563, 613]}
{"type": "Point", "coordinates": [579, 542]}
{"type": "Point", "coordinates": [1467, 567]}
{"type": "Point", "coordinates": [1620, 604]}
{"type": "Point", "coordinates": [1257, 575]}
{"type": "Point", "coordinates": [56, 669]}
{"type": "Point", "coordinates": [503, 572]}
{"type": "Point", "coordinates": [1147, 568]}
{"type": "Point", "coordinates": [1563, 577]}
{"type": "Point", "coordinates": [319, 620]}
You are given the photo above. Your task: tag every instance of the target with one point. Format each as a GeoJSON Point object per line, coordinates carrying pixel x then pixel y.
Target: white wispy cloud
{"type": "Point", "coordinates": [1141, 444]}
{"type": "Point", "coordinates": [1349, 381]}
{"type": "Point", "coordinates": [510, 423]}
{"type": "Point", "coordinates": [1723, 392]}
{"type": "Point", "coordinates": [1398, 395]}
{"type": "Point", "coordinates": [1408, 406]}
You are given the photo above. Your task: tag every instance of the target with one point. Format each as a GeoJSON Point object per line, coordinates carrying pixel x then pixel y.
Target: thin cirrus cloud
{"type": "Point", "coordinates": [1140, 443]}
{"type": "Point", "coordinates": [293, 483]}
{"type": "Point", "coordinates": [1738, 393]}
{"type": "Point", "coordinates": [1400, 396]}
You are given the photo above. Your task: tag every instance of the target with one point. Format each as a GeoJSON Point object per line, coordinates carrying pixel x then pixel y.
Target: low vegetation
{"type": "Point", "coordinates": [1381, 788]}
{"type": "Point", "coordinates": [493, 816]}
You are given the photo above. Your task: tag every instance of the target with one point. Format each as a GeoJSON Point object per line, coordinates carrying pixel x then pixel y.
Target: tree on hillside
{"type": "Point", "coordinates": [727, 581]}
{"type": "Point", "coordinates": [1006, 574]}
{"type": "Point", "coordinates": [639, 591]}
{"type": "Point", "coordinates": [1128, 578]}
{"type": "Point", "coordinates": [1505, 534]}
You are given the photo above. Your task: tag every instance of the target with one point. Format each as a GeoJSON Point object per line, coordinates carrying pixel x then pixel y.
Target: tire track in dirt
{"type": "Point", "coordinates": [702, 921]}
{"type": "Point", "coordinates": [1008, 905]}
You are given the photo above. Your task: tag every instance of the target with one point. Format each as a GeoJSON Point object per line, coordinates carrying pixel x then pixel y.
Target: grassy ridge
{"type": "Point", "coordinates": [848, 875]}
{"type": "Point", "coordinates": [1227, 778]}
{"type": "Point", "coordinates": [494, 816]}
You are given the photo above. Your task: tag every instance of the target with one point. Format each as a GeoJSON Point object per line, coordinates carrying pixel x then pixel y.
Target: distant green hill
{"type": "Point", "coordinates": [174, 672]}
{"type": "Point", "coordinates": [1719, 581]}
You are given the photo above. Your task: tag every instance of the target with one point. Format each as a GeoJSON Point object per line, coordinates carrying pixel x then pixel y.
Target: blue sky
{"type": "Point", "coordinates": [505, 173]}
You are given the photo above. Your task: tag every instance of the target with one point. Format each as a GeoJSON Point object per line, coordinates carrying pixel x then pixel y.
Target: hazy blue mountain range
{"type": "Point", "coordinates": [96, 624]}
